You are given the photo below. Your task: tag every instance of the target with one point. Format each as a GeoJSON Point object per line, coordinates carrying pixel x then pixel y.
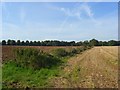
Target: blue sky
{"type": "Point", "coordinates": [60, 20]}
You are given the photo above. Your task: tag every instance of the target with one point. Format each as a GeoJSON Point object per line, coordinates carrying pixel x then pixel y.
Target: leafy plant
{"type": "Point", "coordinates": [34, 58]}
{"type": "Point", "coordinates": [60, 52]}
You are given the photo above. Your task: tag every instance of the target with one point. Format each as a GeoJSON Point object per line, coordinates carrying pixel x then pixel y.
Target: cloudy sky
{"type": "Point", "coordinates": [60, 20]}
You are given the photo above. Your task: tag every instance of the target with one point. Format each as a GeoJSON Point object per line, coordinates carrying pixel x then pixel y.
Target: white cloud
{"type": "Point", "coordinates": [75, 11]}
{"type": "Point", "coordinates": [87, 9]}
{"type": "Point", "coordinates": [78, 10]}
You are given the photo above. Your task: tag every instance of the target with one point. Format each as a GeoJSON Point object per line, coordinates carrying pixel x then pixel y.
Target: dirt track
{"type": "Point", "coordinates": [95, 68]}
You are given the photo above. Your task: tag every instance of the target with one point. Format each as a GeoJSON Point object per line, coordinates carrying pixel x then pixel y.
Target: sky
{"type": "Point", "coordinates": [66, 21]}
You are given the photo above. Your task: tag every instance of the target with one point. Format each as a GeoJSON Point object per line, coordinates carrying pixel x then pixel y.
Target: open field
{"type": "Point", "coordinates": [94, 68]}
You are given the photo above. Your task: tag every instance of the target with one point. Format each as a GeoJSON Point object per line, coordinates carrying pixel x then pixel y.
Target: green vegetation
{"type": "Point", "coordinates": [64, 53]}
{"type": "Point", "coordinates": [92, 42]}
{"type": "Point", "coordinates": [36, 59]}
{"type": "Point", "coordinates": [60, 52]}
{"type": "Point", "coordinates": [15, 76]}
{"type": "Point", "coordinates": [35, 68]}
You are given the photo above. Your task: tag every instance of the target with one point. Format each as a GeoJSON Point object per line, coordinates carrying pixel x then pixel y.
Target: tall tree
{"type": "Point", "coordinates": [22, 43]}
{"type": "Point", "coordinates": [3, 42]}
{"type": "Point", "coordinates": [9, 42]}
{"type": "Point", "coordinates": [13, 42]}
{"type": "Point", "coordinates": [18, 42]}
{"type": "Point", "coordinates": [27, 43]}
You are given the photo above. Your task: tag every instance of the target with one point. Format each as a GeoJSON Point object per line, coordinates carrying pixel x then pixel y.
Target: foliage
{"type": "Point", "coordinates": [60, 52]}
{"type": "Point", "coordinates": [28, 57]}
{"type": "Point", "coordinates": [15, 76]}
{"type": "Point", "coordinates": [92, 42]}
{"type": "Point", "coordinates": [3, 42]}
{"type": "Point", "coordinates": [63, 53]}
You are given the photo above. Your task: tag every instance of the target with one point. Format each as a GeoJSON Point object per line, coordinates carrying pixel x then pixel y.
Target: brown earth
{"type": "Point", "coordinates": [95, 68]}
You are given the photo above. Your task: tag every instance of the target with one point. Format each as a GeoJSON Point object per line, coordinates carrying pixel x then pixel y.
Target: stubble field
{"type": "Point", "coordinates": [94, 68]}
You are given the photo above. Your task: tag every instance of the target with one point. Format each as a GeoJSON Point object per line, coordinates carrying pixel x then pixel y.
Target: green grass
{"type": "Point", "coordinates": [16, 76]}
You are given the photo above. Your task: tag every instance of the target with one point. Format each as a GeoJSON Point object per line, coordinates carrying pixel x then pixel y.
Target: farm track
{"type": "Point", "coordinates": [95, 68]}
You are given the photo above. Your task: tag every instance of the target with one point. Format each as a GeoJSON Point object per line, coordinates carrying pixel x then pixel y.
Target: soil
{"type": "Point", "coordinates": [95, 68]}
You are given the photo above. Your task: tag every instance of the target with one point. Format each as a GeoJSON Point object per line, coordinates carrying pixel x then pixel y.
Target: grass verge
{"type": "Point", "coordinates": [18, 77]}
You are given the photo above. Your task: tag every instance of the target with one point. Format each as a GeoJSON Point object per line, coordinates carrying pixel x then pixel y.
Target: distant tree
{"type": "Point", "coordinates": [94, 42]}
{"type": "Point", "coordinates": [38, 43]}
{"type": "Point", "coordinates": [48, 43]}
{"type": "Point", "coordinates": [22, 43]}
{"type": "Point", "coordinates": [100, 43]}
{"type": "Point", "coordinates": [112, 43]}
{"type": "Point", "coordinates": [31, 43]}
{"type": "Point", "coordinates": [3, 42]}
{"type": "Point", "coordinates": [27, 43]}
{"type": "Point", "coordinates": [105, 43]}
{"type": "Point", "coordinates": [118, 43]}
{"type": "Point", "coordinates": [9, 42]}
{"type": "Point", "coordinates": [35, 43]}
{"type": "Point", "coordinates": [72, 43]}
{"type": "Point", "coordinates": [13, 42]}
{"type": "Point", "coordinates": [18, 42]}
{"type": "Point", "coordinates": [86, 43]}
{"type": "Point", "coordinates": [0, 42]}
{"type": "Point", "coordinates": [79, 43]}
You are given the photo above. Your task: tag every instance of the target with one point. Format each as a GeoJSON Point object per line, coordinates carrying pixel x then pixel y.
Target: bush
{"type": "Point", "coordinates": [63, 53]}
{"type": "Point", "coordinates": [60, 52]}
{"type": "Point", "coordinates": [34, 58]}
{"type": "Point", "coordinates": [73, 52]}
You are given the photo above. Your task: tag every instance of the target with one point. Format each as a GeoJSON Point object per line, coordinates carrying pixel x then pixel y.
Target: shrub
{"type": "Point", "coordinates": [73, 51]}
{"type": "Point", "coordinates": [34, 58]}
{"type": "Point", "coordinates": [60, 52]}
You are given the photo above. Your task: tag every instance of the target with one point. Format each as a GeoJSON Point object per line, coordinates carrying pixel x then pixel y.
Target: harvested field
{"type": "Point", "coordinates": [95, 68]}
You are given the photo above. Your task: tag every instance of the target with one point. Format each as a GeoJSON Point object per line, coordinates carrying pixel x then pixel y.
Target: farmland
{"type": "Point", "coordinates": [93, 68]}
{"type": "Point", "coordinates": [8, 53]}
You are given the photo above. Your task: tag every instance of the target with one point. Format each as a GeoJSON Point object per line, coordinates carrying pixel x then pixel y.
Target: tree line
{"type": "Point", "coordinates": [92, 42]}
